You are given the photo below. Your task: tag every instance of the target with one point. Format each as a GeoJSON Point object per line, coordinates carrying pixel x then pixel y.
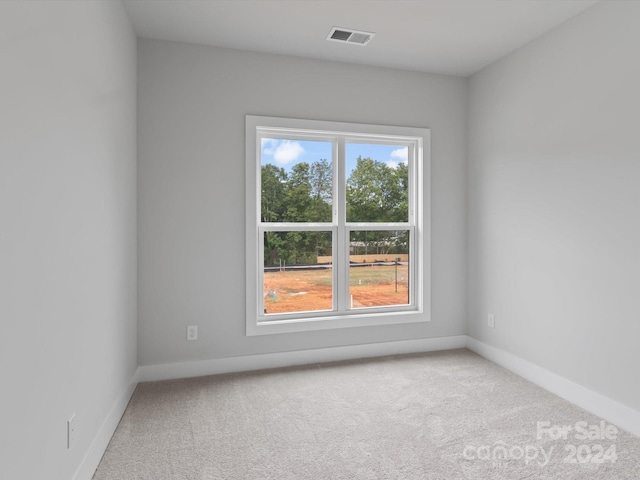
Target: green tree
{"type": "Point", "coordinates": [401, 193]}
{"type": "Point", "coordinates": [377, 193]}
{"type": "Point", "coordinates": [321, 183]}
{"type": "Point", "coordinates": [298, 194]}
{"type": "Point", "coordinates": [274, 185]}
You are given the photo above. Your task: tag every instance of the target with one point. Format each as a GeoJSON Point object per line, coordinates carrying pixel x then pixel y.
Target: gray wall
{"type": "Point", "coordinates": [192, 103]}
{"type": "Point", "coordinates": [67, 228]}
{"type": "Point", "coordinates": [554, 198]}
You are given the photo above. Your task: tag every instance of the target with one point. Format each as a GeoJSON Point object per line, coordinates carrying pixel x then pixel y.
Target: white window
{"type": "Point", "coordinates": [337, 225]}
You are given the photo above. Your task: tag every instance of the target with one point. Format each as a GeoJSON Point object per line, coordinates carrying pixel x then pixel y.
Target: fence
{"type": "Point", "coordinates": [371, 258]}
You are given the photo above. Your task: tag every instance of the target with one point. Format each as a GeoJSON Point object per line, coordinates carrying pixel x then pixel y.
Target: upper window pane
{"type": "Point", "coordinates": [297, 180]}
{"type": "Point", "coordinates": [377, 183]}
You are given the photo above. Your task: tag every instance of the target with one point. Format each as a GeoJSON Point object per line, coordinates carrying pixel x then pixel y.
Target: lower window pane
{"type": "Point", "coordinates": [297, 274]}
{"type": "Point", "coordinates": [379, 268]}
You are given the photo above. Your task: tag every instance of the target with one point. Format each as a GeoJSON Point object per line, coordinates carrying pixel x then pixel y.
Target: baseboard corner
{"type": "Point", "coordinates": [607, 408]}
{"type": "Point", "coordinates": [91, 459]}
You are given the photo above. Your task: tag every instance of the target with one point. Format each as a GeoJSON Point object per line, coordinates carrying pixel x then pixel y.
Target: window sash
{"type": "Point", "coordinates": [341, 255]}
{"type": "Point", "coordinates": [340, 272]}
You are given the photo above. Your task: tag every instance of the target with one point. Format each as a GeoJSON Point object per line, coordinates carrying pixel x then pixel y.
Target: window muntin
{"type": "Point", "coordinates": [324, 209]}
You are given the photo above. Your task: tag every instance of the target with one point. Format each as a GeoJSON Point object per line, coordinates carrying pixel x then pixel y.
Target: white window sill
{"type": "Point", "coordinates": [336, 321]}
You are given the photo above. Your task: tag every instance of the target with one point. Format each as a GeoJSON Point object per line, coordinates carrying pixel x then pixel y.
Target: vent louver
{"type": "Point", "coordinates": [345, 35]}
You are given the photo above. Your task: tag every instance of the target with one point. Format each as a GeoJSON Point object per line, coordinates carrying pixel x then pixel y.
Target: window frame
{"type": "Point", "coordinates": [341, 133]}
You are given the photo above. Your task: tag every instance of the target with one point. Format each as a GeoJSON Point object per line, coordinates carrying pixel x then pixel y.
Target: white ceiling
{"type": "Point", "coordinates": [457, 37]}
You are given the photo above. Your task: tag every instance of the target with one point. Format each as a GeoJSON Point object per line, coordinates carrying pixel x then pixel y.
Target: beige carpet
{"type": "Point", "coordinates": [446, 416]}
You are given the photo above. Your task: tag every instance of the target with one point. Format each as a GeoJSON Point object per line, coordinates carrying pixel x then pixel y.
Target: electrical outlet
{"type": "Point", "coordinates": [491, 320]}
{"type": "Point", "coordinates": [71, 431]}
{"type": "Point", "coordinates": [192, 332]}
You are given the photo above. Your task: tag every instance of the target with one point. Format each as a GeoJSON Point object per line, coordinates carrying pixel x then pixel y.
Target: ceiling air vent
{"type": "Point", "coordinates": [346, 35]}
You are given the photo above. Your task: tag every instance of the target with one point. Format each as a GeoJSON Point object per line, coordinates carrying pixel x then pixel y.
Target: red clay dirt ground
{"type": "Point", "coordinates": [310, 290]}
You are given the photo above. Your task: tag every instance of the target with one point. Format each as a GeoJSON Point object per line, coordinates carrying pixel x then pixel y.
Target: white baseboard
{"type": "Point", "coordinates": [92, 458]}
{"type": "Point", "coordinates": [596, 403]}
{"type": "Point", "coordinates": [149, 373]}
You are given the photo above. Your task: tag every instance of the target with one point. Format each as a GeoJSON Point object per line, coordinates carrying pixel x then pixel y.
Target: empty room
{"type": "Point", "coordinates": [319, 239]}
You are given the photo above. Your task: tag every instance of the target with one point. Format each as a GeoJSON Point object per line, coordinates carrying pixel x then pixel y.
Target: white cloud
{"type": "Point", "coordinates": [283, 151]}
{"type": "Point", "coordinates": [392, 164]}
{"type": "Point", "coordinates": [400, 155]}
{"type": "Point", "coordinates": [287, 152]}
{"type": "Point", "coordinates": [269, 145]}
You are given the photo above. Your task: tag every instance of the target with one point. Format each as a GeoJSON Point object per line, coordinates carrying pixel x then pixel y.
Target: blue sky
{"type": "Point", "coordinates": [286, 153]}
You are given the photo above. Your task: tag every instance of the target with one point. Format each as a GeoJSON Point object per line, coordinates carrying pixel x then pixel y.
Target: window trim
{"type": "Point", "coordinates": [419, 230]}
